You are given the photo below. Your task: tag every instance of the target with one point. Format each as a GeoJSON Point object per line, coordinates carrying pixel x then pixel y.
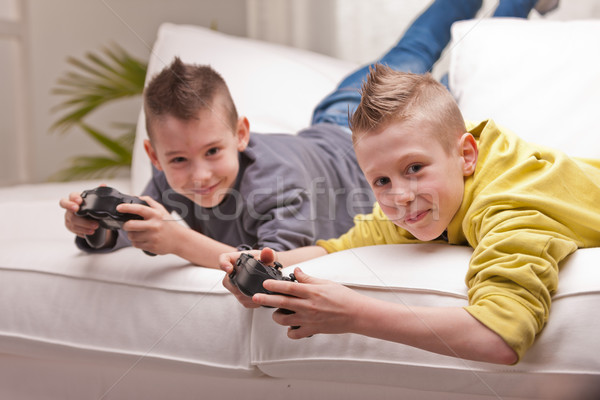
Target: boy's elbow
{"type": "Point", "coordinates": [507, 356]}
{"type": "Point", "coordinates": [488, 346]}
{"type": "Point", "coordinates": [499, 352]}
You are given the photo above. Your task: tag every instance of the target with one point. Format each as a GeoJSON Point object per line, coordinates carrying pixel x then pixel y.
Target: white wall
{"type": "Point", "coordinates": [57, 29]}
{"type": "Point", "coordinates": [52, 30]}
{"type": "Point", "coordinates": [12, 83]}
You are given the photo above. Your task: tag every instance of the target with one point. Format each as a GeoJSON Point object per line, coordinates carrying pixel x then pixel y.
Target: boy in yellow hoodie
{"type": "Point", "coordinates": [523, 208]}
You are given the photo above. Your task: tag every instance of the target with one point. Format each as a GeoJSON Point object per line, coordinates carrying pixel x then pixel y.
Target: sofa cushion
{"type": "Point", "coordinates": [561, 364]}
{"type": "Point", "coordinates": [538, 78]}
{"type": "Point", "coordinates": [275, 86]}
{"type": "Point", "coordinates": [59, 303]}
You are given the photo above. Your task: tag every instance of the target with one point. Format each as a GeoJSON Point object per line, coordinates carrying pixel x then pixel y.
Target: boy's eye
{"type": "Point", "coordinates": [212, 151]}
{"type": "Point", "coordinates": [414, 168]}
{"type": "Point", "coordinates": [381, 182]}
{"type": "Point", "coordinates": [177, 160]}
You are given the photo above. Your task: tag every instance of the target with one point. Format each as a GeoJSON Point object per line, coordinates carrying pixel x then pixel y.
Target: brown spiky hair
{"type": "Point", "coordinates": [182, 90]}
{"type": "Point", "coordinates": [389, 96]}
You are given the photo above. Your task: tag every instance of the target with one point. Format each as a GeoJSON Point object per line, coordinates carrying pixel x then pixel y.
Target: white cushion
{"type": "Point", "coordinates": [538, 78]}
{"type": "Point", "coordinates": [276, 87]}
{"type": "Point", "coordinates": [56, 301]}
{"type": "Point", "coordinates": [562, 362]}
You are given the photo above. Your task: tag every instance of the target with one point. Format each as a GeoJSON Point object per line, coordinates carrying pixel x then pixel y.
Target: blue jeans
{"type": "Point", "coordinates": [417, 51]}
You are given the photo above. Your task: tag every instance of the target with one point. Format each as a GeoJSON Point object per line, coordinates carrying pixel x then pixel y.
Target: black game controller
{"type": "Point", "coordinates": [249, 274]}
{"type": "Point", "coordinates": [101, 204]}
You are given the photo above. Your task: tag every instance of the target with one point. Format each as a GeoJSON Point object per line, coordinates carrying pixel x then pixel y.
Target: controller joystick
{"type": "Point", "coordinates": [249, 274]}
{"type": "Point", "coordinates": [101, 204]}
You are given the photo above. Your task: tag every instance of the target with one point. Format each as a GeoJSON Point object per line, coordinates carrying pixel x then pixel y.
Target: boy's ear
{"type": "Point", "coordinates": [243, 133]}
{"type": "Point", "coordinates": [152, 154]}
{"type": "Point", "coordinates": [469, 153]}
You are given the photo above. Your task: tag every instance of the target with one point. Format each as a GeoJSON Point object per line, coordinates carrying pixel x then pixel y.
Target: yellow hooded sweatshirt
{"type": "Point", "coordinates": [525, 208]}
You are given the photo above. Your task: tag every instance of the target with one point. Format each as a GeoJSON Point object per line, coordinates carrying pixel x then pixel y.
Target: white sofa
{"type": "Point", "coordinates": [128, 326]}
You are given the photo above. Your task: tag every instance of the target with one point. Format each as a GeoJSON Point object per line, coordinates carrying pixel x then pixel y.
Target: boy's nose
{"type": "Point", "coordinates": [402, 197]}
{"type": "Point", "coordinates": [395, 198]}
{"type": "Point", "coordinates": [201, 173]}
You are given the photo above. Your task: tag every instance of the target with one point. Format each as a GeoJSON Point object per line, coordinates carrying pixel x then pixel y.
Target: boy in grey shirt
{"type": "Point", "coordinates": [230, 186]}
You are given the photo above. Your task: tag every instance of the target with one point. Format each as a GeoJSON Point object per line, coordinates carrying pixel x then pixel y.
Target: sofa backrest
{"type": "Point", "coordinates": [275, 86]}
{"type": "Point", "coordinates": [539, 78]}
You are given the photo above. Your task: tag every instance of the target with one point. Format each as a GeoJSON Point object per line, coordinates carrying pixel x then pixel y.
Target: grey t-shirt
{"type": "Point", "coordinates": [291, 190]}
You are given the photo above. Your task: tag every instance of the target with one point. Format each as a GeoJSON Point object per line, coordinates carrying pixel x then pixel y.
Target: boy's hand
{"type": "Point", "coordinates": [319, 305]}
{"type": "Point", "coordinates": [80, 226]}
{"type": "Point", "coordinates": [228, 260]}
{"type": "Point", "coordinates": [157, 232]}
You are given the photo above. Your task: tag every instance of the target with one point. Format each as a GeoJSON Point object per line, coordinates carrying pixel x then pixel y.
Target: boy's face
{"type": "Point", "coordinates": [417, 183]}
{"type": "Point", "coordinates": [200, 156]}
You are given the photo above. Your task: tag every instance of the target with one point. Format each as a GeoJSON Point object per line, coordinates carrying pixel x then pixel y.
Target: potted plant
{"type": "Point", "coordinates": [96, 80]}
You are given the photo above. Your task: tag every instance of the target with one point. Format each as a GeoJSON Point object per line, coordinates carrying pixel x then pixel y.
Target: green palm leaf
{"type": "Point", "coordinates": [114, 146]}
{"type": "Point", "coordinates": [88, 167]}
{"type": "Point", "coordinates": [97, 81]}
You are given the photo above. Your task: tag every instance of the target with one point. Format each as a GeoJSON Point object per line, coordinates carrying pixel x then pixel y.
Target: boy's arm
{"type": "Point", "coordinates": [514, 271]}
{"type": "Point", "coordinates": [295, 256]}
{"type": "Point", "coordinates": [159, 233]}
{"type": "Point", "coordinates": [322, 306]}
{"type": "Point", "coordinates": [197, 248]}
{"type": "Point", "coordinates": [448, 331]}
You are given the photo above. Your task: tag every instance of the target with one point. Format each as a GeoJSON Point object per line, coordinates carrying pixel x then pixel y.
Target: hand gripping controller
{"type": "Point", "coordinates": [249, 274]}
{"type": "Point", "coordinates": [101, 204]}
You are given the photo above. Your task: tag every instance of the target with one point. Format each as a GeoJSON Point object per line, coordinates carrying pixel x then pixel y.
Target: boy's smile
{"type": "Point", "coordinates": [418, 184]}
{"type": "Point", "coordinates": [199, 156]}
